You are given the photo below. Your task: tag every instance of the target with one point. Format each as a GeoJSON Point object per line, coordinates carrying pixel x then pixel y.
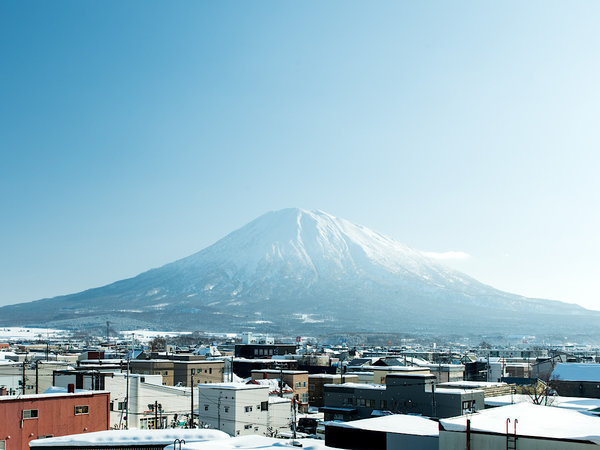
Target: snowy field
{"type": "Point", "coordinates": [20, 333]}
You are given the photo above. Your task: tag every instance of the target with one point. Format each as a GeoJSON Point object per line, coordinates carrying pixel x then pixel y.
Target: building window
{"type": "Point", "coordinates": [383, 404]}
{"type": "Point", "coordinates": [304, 384]}
{"type": "Point", "coordinates": [467, 406]}
{"type": "Point", "coordinates": [361, 402]}
{"type": "Point", "coordinates": [30, 414]}
{"type": "Point", "coordinates": [120, 406]}
{"type": "Point", "coordinates": [264, 406]}
{"type": "Point", "coordinates": [2, 445]}
{"type": "Point", "coordinates": [248, 408]}
{"type": "Point", "coordinates": [247, 427]}
{"type": "Point", "coordinates": [210, 370]}
{"type": "Point", "coordinates": [193, 371]}
{"type": "Point", "coordinates": [227, 409]}
{"type": "Point", "coordinates": [370, 403]}
{"type": "Point", "coordinates": [44, 436]}
{"type": "Point", "coordinates": [83, 409]}
{"type": "Point", "coordinates": [111, 406]}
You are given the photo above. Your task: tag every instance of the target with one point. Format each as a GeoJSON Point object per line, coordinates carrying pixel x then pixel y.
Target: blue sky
{"type": "Point", "coordinates": [136, 133]}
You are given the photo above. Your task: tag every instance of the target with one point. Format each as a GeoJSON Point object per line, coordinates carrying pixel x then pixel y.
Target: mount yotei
{"type": "Point", "coordinates": [304, 272]}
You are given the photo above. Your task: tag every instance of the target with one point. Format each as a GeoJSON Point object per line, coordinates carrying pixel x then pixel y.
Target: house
{"type": "Point", "coordinates": [390, 432]}
{"type": "Point", "coordinates": [296, 379]}
{"type": "Point", "coordinates": [132, 439]}
{"type": "Point", "coordinates": [523, 426]}
{"type": "Point", "coordinates": [316, 383]}
{"type": "Point", "coordinates": [239, 409]}
{"type": "Point", "coordinates": [27, 417]}
{"type": "Point", "coordinates": [181, 372]}
{"type": "Point", "coordinates": [576, 380]}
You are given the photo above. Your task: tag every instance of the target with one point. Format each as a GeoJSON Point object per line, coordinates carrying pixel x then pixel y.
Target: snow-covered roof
{"type": "Point", "coordinates": [533, 420]}
{"type": "Point", "coordinates": [357, 386]}
{"type": "Point", "coordinates": [252, 442]}
{"type": "Point", "coordinates": [285, 371]}
{"type": "Point", "coordinates": [453, 391]}
{"type": "Point", "coordinates": [576, 372]}
{"type": "Point", "coordinates": [575, 403]}
{"type": "Point", "coordinates": [232, 386]}
{"type": "Point", "coordinates": [471, 384]}
{"type": "Point", "coordinates": [131, 437]}
{"type": "Point", "coordinates": [394, 423]}
{"type": "Point", "coordinates": [396, 368]}
{"type": "Point", "coordinates": [332, 376]}
{"type": "Point", "coordinates": [272, 384]}
{"type": "Point", "coordinates": [49, 395]}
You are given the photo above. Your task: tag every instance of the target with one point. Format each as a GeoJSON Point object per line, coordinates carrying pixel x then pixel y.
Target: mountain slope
{"type": "Point", "coordinates": [297, 270]}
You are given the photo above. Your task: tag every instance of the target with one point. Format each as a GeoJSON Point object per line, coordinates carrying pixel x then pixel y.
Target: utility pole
{"type": "Point", "coordinates": [281, 382]}
{"type": "Point", "coordinates": [37, 379]}
{"type": "Point", "coordinates": [23, 380]}
{"type": "Point", "coordinates": [192, 403]}
{"type": "Point", "coordinates": [433, 404]}
{"type": "Point", "coordinates": [218, 412]}
{"type": "Point", "coordinates": [127, 398]}
{"type": "Point", "coordinates": [155, 415]}
{"type": "Point", "coordinates": [293, 418]}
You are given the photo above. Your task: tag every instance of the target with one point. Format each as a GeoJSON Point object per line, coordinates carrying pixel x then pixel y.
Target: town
{"type": "Point", "coordinates": [144, 389]}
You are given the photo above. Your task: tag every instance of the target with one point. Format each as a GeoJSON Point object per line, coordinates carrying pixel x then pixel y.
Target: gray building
{"type": "Point", "coordinates": [402, 394]}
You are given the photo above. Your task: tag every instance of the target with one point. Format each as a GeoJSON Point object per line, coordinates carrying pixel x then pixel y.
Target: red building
{"type": "Point", "coordinates": [27, 417]}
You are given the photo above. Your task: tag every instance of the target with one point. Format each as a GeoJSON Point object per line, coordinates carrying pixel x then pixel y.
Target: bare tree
{"type": "Point", "coordinates": [539, 393]}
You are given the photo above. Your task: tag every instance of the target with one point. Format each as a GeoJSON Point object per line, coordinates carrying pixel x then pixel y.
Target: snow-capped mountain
{"type": "Point", "coordinates": [303, 270]}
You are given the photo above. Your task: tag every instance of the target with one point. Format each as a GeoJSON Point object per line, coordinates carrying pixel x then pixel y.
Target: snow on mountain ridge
{"type": "Point", "coordinates": [312, 244]}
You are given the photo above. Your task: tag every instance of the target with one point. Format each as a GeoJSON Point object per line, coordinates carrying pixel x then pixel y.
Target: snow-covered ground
{"type": "Point", "coordinates": [21, 333]}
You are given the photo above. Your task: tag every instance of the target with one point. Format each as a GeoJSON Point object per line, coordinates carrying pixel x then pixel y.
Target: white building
{"type": "Point", "coordinates": [145, 391]}
{"type": "Point", "coordinates": [240, 409]}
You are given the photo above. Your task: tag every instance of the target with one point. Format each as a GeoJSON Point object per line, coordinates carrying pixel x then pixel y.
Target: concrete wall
{"type": "Point", "coordinates": [412, 442]}
{"type": "Point", "coordinates": [458, 441]}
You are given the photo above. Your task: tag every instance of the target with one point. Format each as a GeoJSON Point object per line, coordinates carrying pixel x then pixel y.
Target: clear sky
{"type": "Point", "coordinates": [136, 133]}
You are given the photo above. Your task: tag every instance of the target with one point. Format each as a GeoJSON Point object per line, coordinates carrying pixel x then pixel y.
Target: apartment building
{"type": "Point", "coordinates": [240, 409]}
